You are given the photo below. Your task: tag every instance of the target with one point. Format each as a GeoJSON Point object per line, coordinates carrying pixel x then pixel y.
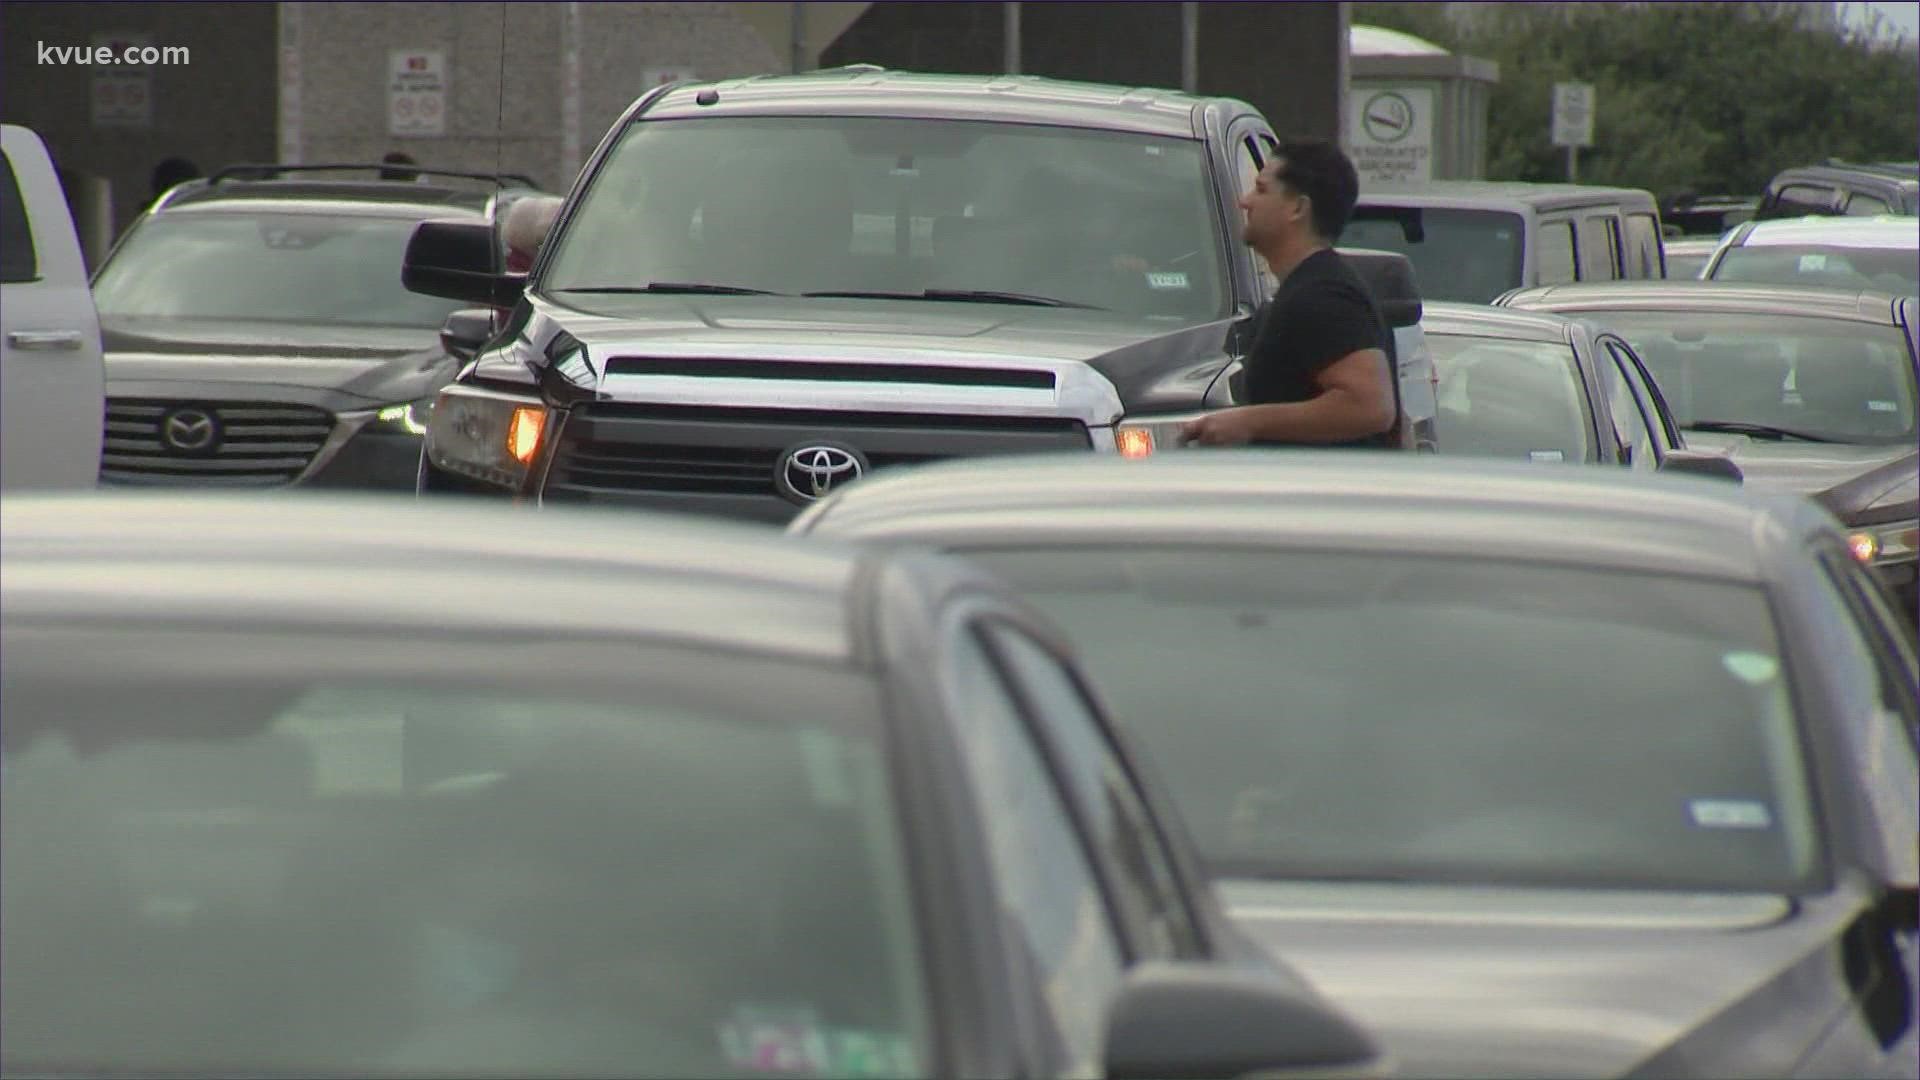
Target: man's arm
{"type": "Point", "coordinates": [1355, 401]}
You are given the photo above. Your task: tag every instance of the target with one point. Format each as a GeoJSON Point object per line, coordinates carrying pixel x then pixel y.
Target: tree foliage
{"type": "Point", "coordinates": [1705, 97]}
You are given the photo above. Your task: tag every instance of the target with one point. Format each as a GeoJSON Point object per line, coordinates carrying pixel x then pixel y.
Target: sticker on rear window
{"type": "Point", "coordinates": [1751, 667]}
{"type": "Point", "coordinates": [1730, 814]}
{"type": "Point", "coordinates": [793, 1042]}
{"type": "Point", "coordinates": [1546, 455]}
{"type": "Point", "coordinates": [1882, 406]}
{"type": "Point", "coordinates": [1167, 280]}
{"type": "Point", "coordinates": [1812, 263]}
{"type": "Point", "coordinates": [826, 768]}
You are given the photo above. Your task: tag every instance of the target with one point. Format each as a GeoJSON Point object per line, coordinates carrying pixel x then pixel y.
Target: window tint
{"type": "Point", "coordinates": [1804, 199]}
{"type": "Point", "coordinates": [1148, 890]}
{"type": "Point", "coordinates": [1643, 247]}
{"type": "Point", "coordinates": [1599, 249]}
{"type": "Point", "coordinates": [1053, 903]}
{"type": "Point", "coordinates": [1553, 255]}
{"type": "Point", "coordinates": [1629, 425]}
{"type": "Point", "coordinates": [1863, 205]}
{"type": "Point", "coordinates": [1512, 399]}
{"type": "Point", "coordinates": [17, 261]}
{"type": "Point", "coordinates": [1469, 256]}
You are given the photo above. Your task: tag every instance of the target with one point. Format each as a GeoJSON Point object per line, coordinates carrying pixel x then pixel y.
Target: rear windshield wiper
{"type": "Point", "coordinates": [1758, 431]}
{"type": "Point", "coordinates": [962, 296]}
{"type": "Point", "coordinates": [686, 287]}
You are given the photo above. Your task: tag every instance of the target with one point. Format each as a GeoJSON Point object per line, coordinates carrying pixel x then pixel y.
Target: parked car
{"type": "Point", "coordinates": [1839, 187]}
{"type": "Point", "coordinates": [1471, 240]}
{"type": "Point", "coordinates": [364, 787]}
{"type": "Point", "coordinates": [1810, 391]}
{"type": "Point", "coordinates": [1880, 253]}
{"type": "Point", "coordinates": [965, 266]}
{"type": "Point", "coordinates": [1541, 773]}
{"type": "Point", "coordinates": [1547, 389]}
{"type": "Point", "coordinates": [1691, 215]}
{"type": "Point", "coordinates": [1687, 257]}
{"type": "Point", "coordinates": [51, 395]}
{"type": "Point", "coordinates": [257, 333]}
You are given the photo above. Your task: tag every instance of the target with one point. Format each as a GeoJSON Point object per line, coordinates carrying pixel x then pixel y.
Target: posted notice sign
{"type": "Point", "coordinates": [416, 92]}
{"type": "Point", "coordinates": [1391, 132]}
{"type": "Point", "coordinates": [1572, 114]}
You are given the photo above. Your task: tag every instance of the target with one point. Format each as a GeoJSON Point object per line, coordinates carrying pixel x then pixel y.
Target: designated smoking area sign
{"type": "Point", "coordinates": [1391, 131]}
{"type": "Point", "coordinates": [416, 92]}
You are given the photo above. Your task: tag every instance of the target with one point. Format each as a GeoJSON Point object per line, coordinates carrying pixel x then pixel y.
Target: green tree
{"type": "Point", "coordinates": [1711, 97]}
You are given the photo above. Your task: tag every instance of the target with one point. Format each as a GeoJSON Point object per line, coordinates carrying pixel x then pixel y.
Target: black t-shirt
{"type": "Point", "coordinates": [1321, 313]}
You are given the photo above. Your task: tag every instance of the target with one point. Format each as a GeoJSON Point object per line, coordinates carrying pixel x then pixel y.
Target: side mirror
{"type": "Point", "coordinates": [465, 332]}
{"type": "Point", "coordinates": [1700, 463]}
{"type": "Point", "coordinates": [1389, 276]}
{"type": "Point", "coordinates": [1190, 1020]}
{"type": "Point", "coordinates": [455, 260]}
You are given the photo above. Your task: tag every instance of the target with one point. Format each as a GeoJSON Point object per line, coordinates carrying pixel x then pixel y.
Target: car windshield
{"type": "Point", "coordinates": [1469, 256]}
{"type": "Point", "coordinates": [270, 267]}
{"type": "Point", "coordinates": [243, 873]}
{"type": "Point", "coordinates": [1891, 269]}
{"type": "Point", "coordinates": [1510, 399]}
{"type": "Point", "coordinates": [1407, 718]}
{"type": "Point", "coordinates": [1111, 220]}
{"type": "Point", "coordinates": [1837, 379]}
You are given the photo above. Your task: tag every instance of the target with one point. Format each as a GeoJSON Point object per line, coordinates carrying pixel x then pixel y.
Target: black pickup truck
{"type": "Point", "coordinates": [762, 288]}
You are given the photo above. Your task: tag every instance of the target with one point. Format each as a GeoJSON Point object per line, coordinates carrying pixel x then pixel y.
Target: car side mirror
{"type": "Point", "coordinates": [465, 331]}
{"type": "Point", "coordinates": [455, 260]}
{"type": "Point", "coordinates": [1699, 463]}
{"type": "Point", "coordinates": [1191, 1020]}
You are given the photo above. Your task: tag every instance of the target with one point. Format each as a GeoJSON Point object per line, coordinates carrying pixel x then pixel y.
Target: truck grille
{"type": "Point", "coordinates": [239, 444]}
{"type": "Point", "coordinates": [614, 448]}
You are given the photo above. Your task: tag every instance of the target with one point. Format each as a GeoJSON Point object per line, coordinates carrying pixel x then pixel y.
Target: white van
{"type": "Point", "coordinates": [52, 378]}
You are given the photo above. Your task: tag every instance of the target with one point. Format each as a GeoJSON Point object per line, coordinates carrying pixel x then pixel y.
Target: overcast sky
{"type": "Point", "coordinates": [1901, 18]}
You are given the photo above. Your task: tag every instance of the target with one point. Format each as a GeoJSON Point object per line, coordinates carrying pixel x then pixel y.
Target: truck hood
{"type": "Point", "coordinates": [1153, 365]}
{"type": "Point", "coordinates": [1528, 983]}
{"type": "Point", "coordinates": [244, 360]}
{"type": "Point", "coordinates": [1847, 479]}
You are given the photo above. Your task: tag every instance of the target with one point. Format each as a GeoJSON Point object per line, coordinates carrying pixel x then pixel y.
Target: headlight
{"type": "Point", "coordinates": [411, 417]}
{"type": "Point", "coordinates": [1147, 435]}
{"type": "Point", "coordinates": [485, 434]}
{"type": "Point", "coordinates": [1896, 541]}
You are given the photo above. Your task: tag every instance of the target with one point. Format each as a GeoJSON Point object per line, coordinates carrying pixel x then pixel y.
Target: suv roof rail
{"type": "Point", "coordinates": [856, 67]}
{"type": "Point", "coordinates": [268, 172]}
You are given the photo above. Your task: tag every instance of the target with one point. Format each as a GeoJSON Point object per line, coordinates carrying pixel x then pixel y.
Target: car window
{"type": "Point", "coordinates": [1629, 424]}
{"type": "Point", "coordinates": [1646, 391]}
{"type": "Point", "coordinates": [1053, 903]}
{"type": "Point", "coordinates": [17, 260]}
{"type": "Point", "coordinates": [1886, 633]}
{"type": "Point", "coordinates": [195, 264]}
{"type": "Point", "coordinates": [1146, 885]}
{"type": "Point", "coordinates": [1834, 379]}
{"type": "Point", "coordinates": [1470, 256]}
{"type": "Point", "coordinates": [1643, 248]}
{"type": "Point", "coordinates": [582, 865]}
{"type": "Point", "coordinates": [1512, 399]}
{"type": "Point", "coordinates": [1893, 269]}
{"type": "Point", "coordinates": [1248, 161]}
{"type": "Point", "coordinates": [1797, 199]}
{"type": "Point", "coordinates": [1599, 249]}
{"type": "Point", "coordinates": [1255, 682]}
{"type": "Point", "coordinates": [1553, 254]}
{"type": "Point", "coordinates": [1860, 204]}
{"type": "Point", "coordinates": [1121, 221]}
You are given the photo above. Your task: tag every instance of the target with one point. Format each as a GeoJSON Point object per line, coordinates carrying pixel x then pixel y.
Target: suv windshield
{"type": "Point", "coordinates": [793, 205]}
{"type": "Point", "coordinates": [273, 267]}
{"type": "Point", "coordinates": [1835, 379]}
{"type": "Point", "coordinates": [1890, 270]}
{"type": "Point", "coordinates": [1470, 256]}
{"type": "Point", "coordinates": [1408, 718]}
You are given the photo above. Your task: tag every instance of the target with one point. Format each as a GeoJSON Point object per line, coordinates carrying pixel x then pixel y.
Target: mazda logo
{"type": "Point", "coordinates": [807, 473]}
{"type": "Point", "coordinates": [190, 431]}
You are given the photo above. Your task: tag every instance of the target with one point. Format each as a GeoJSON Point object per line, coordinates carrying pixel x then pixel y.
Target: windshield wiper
{"type": "Point", "coordinates": [961, 296]}
{"type": "Point", "coordinates": [1758, 431]}
{"type": "Point", "coordinates": [704, 288]}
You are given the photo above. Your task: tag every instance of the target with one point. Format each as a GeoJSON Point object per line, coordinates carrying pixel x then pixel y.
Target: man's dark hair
{"type": "Point", "coordinates": [1320, 170]}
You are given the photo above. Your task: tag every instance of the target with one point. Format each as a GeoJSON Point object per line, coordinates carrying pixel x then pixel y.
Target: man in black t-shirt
{"type": "Point", "coordinates": [1321, 371]}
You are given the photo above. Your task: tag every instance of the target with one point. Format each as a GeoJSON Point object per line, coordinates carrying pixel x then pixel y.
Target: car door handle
{"type": "Point", "coordinates": [44, 339]}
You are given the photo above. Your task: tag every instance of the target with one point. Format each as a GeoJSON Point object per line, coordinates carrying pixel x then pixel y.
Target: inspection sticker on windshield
{"type": "Point", "coordinates": [1751, 667]}
{"type": "Point", "coordinates": [793, 1042]}
{"type": "Point", "coordinates": [1730, 814]}
{"type": "Point", "coordinates": [1882, 406]}
{"type": "Point", "coordinates": [1546, 455]}
{"type": "Point", "coordinates": [1168, 280]}
{"type": "Point", "coordinates": [1813, 263]}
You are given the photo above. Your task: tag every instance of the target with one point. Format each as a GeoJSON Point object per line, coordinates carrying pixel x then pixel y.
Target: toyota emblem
{"type": "Point", "coordinates": [190, 431]}
{"type": "Point", "coordinates": [807, 473]}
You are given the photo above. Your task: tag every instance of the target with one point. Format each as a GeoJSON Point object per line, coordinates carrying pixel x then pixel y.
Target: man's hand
{"type": "Point", "coordinates": [1223, 427]}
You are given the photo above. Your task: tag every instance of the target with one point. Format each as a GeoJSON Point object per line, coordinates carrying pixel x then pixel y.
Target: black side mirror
{"type": "Point", "coordinates": [1389, 276]}
{"type": "Point", "coordinates": [456, 260]}
{"type": "Point", "coordinates": [465, 331]}
{"type": "Point", "coordinates": [1699, 463]}
{"type": "Point", "coordinates": [1172, 1021]}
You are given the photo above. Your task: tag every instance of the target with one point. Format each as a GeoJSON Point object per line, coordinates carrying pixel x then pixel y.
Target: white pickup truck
{"type": "Point", "coordinates": [52, 379]}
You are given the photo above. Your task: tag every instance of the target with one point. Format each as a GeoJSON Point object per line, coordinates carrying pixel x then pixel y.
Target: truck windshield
{"type": "Point", "coordinates": [794, 205]}
{"type": "Point", "coordinates": [1468, 256]}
